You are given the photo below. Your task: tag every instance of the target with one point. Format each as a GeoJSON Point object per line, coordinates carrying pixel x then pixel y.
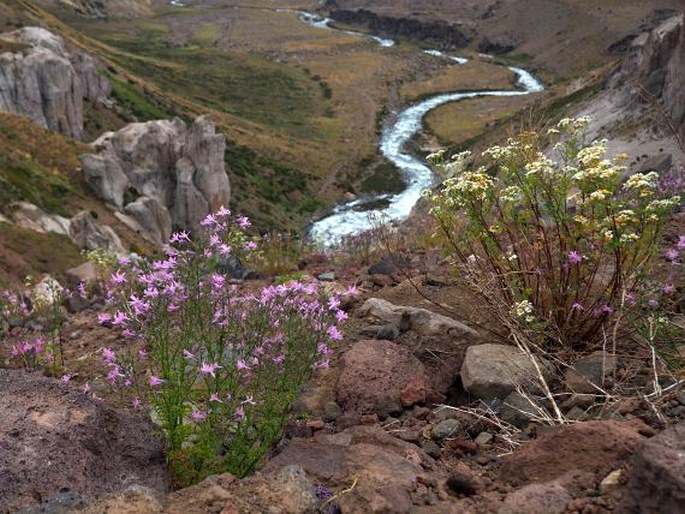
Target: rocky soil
{"type": "Point", "coordinates": [419, 413]}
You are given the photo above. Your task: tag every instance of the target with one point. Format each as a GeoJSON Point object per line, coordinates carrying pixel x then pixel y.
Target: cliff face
{"type": "Point", "coordinates": [430, 31]}
{"type": "Point", "coordinates": [654, 70]}
{"type": "Point", "coordinates": [42, 80]}
{"type": "Point", "coordinates": [161, 172]}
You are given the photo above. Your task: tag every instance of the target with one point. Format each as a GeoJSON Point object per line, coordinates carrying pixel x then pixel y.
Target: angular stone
{"type": "Point", "coordinates": [587, 374]}
{"type": "Point", "coordinates": [493, 371]}
{"type": "Point", "coordinates": [537, 499]}
{"type": "Point", "coordinates": [421, 320]}
{"type": "Point", "coordinates": [657, 477]}
{"type": "Point", "coordinates": [374, 374]}
{"type": "Point", "coordinates": [445, 429]}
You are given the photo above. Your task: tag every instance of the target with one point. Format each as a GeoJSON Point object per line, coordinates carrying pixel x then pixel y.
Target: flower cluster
{"type": "Point", "coordinates": [220, 363]}
{"type": "Point", "coordinates": [561, 242]}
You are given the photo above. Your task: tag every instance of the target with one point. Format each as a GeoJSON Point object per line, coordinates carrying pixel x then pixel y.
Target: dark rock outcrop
{"type": "Point", "coordinates": [174, 172]}
{"type": "Point", "coordinates": [42, 79]}
{"type": "Point", "coordinates": [657, 477]}
{"type": "Point", "coordinates": [654, 70]}
{"type": "Point", "coordinates": [438, 32]}
{"type": "Point", "coordinates": [56, 440]}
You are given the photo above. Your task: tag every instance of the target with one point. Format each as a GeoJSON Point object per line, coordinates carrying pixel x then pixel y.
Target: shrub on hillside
{"type": "Point", "coordinates": [558, 248]}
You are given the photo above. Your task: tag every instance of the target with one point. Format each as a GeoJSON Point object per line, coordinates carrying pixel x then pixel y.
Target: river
{"type": "Point", "coordinates": [361, 214]}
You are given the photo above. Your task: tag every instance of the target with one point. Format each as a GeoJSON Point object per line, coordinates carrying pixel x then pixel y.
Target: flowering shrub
{"type": "Point", "coordinates": [557, 247]}
{"type": "Point", "coordinates": [220, 365]}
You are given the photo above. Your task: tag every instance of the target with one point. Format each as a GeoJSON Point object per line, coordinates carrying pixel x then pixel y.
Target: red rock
{"type": "Point", "coordinates": [414, 392]}
{"type": "Point", "coordinates": [593, 448]}
{"type": "Point", "coordinates": [369, 419]}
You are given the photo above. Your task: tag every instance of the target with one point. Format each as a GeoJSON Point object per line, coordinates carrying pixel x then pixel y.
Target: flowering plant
{"type": "Point", "coordinates": [557, 247]}
{"type": "Point", "coordinates": [220, 364]}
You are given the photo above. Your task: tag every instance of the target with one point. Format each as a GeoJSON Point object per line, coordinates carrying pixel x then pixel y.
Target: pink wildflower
{"type": "Point", "coordinates": [155, 381]}
{"type": "Point", "coordinates": [240, 413]}
{"type": "Point", "coordinates": [209, 369]}
{"type": "Point", "coordinates": [215, 398]}
{"type": "Point", "coordinates": [672, 254]}
{"type": "Point", "coordinates": [574, 257]}
{"type": "Point", "coordinates": [577, 307]}
{"type": "Point", "coordinates": [681, 243]}
{"type": "Point", "coordinates": [334, 333]}
{"type": "Point", "coordinates": [197, 416]}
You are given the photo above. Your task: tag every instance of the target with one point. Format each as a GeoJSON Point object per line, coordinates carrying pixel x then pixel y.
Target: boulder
{"type": "Point", "coordinates": [374, 374]}
{"type": "Point", "coordinates": [29, 216]}
{"type": "Point", "coordinates": [382, 467]}
{"type": "Point", "coordinates": [493, 371]}
{"type": "Point", "coordinates": [587, 375]}
{"type": "Point", "coordinates": [421, 320]}
{"type": "Point", "coordinates": [180, 168]}
{"type": "Point", "coordinates": [55, 439]}
{"type": "Point", "coordinates": [152, 217]}
{"type": "Point", "coordinates": [537, 499]}
{"type": "Point", "coordinates": [657, 477]}
{"type": "Point", "coordinates": [86, 273]}
{"type": "Point", "coordinates": [594, 448]}
{"type": "Point", "coordinates": [88, 235]}
{"type": "Point", "coordinates": [46, 82]}
{"type": "Point", "coordinates": [520, 410]}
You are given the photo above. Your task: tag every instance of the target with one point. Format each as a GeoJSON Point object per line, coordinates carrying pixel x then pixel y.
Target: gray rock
{"type": "Point", "coordinates": [537, 499]}
{"type": "Point", "coordinates": [180, 167]}
{"type": "Point", "coordinates": [86, 273]}
{"type": "Point", "coordinates": [420, 320]}
{"type": "Point", "coordinates": [46, 82]}
{"type": "Point", "coordinates": [29, 216]}
{"type": "Point", "coordinates": [332, 411]}
{"type": "Point", "coordinates": [432, 449]}
{"type": "Point", "coordinates": [153, 218]}
{"type": "Point", "coordinates": [657, 477]}
{"type": "Point", "coordinates": [587, 375]}
{"type": "Point", "coordinates": [88, 235]}
{"type": "Point", "coordinates": [445, 429]}
{"type": "Point", "coordinates": [493, 371]}
{"type": "Point", "coordinates": [329, 276]}
{"type": "Point", "coordinates": [389, 332]}
{"type": "Point", "coordinates": [485, 439]}
{"type": "Point", "coordinates": [519, 410]}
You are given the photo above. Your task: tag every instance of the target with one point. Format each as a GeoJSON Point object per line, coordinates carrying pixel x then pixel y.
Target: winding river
{"type": "Point", "coordinates": [358, 215]}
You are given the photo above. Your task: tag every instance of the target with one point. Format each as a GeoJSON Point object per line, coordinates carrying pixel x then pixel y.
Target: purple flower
{"type": "Point", "coordinates": [188, 355]}
{"type": "Point", "coordinates": [672, 254]}
{"type": "Point", "coordinates": [108, 356]}
{"type": "Point", "coordinates": [240, 413]}
{"type": "Point", "coordinates": [209, 369]}
{"type": "Point", "coordinates": [136, 404]}
{"type": "Point", "coordinates": [215, 398]}
{"type": "Point", "coordinates": [65, 378]}
{"type": "Point", "coordinates": [250, 245]}
{"type": "Point", "coordinates": [681, 243]}
{"type": "Point", "coordinates": [322, 492]}
{"type": "Point", "coordinates": [179, 237]}
{"type": "Point", "coordinates": [668, 289]}
{"type": "Point", "coordinates": [241, 364]}
{"type": "Point", "coordinates": [606, 309]}
{"type": "Point", "coordinates": [120, 319]}
{"type": "Point", "coordinates": [197, 416]}
{"type": "Point", "coordinates": [155, 381]}
{"type": "Point", "coordinates": [577, 307]}
{"type": "Point", "coordinates": [223, 212]}
{"type": "Point", "coordinates": [86, 388]}
{"type": "Point", "coordinates": [208, 221]}
{"type": "Point", "coordinates": [631, 299]}
{"type": "Point", "coordinates": [118, 278]}
{"type": "Point", "coordinates": [334, 333]}
{"type": "Point", "coordinates": [248, 401]}
{"type": "Point", "coordinates": [104, 318]}
{"type": "Point", "coordinates": [574, 257]}
{"type": "Point", "coordinates": [243, 222]}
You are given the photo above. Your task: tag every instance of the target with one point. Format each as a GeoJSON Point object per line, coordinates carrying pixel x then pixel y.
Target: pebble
{"type": "Point", "coordinates": [445, 429]}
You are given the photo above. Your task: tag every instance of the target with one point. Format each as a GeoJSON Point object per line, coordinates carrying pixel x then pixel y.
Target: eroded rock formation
{"type": "Point", "coordinates": [161, 173]}
{"type": "Point", "coordinates": [430, 31]}
{"type": "Point", "coordinates": [43, 80]}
